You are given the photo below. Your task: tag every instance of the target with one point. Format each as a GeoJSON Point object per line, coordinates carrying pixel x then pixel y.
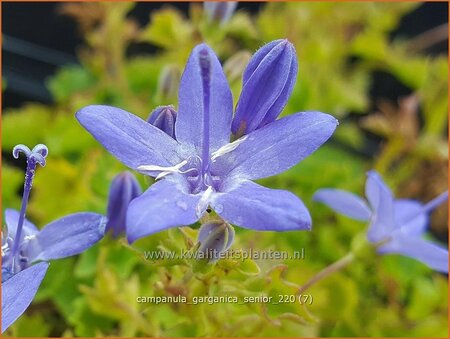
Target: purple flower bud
{"type": "Point", "coordinates": [268, 81]}
{"type": "Point", "coordinates": [215, 237]}
{"type": "Point", "coordinates": [219, 11]}
{"type": "Point", "coordinates": [164, 118]}
{"type": "Point", "coordinates": [124, 188]}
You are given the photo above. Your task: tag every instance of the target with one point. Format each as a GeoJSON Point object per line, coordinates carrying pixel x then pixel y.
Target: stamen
{"type": "Point", "coordinates": [5, 249]}
{"type": "Point", "coordinates": [431, 205]}
{"type": "Point", "coordinates": [227, 148]}
{"type": "Point", "coordinates": [29, 237]}
{"type": "Point", "coordinates": [164, 170]}
{"type": "Point", "coordinates": [34, 157]}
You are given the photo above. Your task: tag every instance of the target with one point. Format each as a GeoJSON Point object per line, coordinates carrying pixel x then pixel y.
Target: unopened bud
{"type": "Point", "coordinates": [268, 82]}
{"type": "Point", "coordinates": [164, 118]}
{"type": "Point", "coordinates": [168, 82]}
{"type": "Point", "coordinates": [219, 11]}
{"type": "Point", "coordinates": [124, 188]}
{"type": "Point", "coordinates": [215, 237]}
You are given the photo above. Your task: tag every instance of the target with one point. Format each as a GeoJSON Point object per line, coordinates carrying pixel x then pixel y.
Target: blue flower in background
{"type": "Point", "coordinates": [219, 11]}
{"type": "Point", "coordinates": [396, 225]}
{"type": "Point", "coordinates": [201, 167]}
{"type": "Point", "coordinates": [25, 249]}
{"type": "Point", "coordinates": [164, 117]}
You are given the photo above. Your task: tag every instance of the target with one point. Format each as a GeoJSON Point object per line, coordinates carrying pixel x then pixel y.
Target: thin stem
{"type": "Point", "coordinates": [336, 266]}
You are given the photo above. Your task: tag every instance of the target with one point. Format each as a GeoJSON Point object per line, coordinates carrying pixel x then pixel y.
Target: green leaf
{"type": "Point", "coordinates": [69, 81]}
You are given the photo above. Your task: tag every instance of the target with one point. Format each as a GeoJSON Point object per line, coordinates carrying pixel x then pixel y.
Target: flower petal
{"type": "Point", "coordinates": [164, 205]}
{"type": "Point", "coordinates": [382, 204]}
{"type": "Point", "coordinates": [420, 249]}
{"type": "Point", "coordinates": [250, 205]}
{"type": "Point", "coordinates": [18, 292]}
{"type": "Point", "coordinates": [67, 236]}
{"type": "Point", "coordinates": [277, 146]}
{"type": "Point", "coordinates": [409, 216]}
{"type": "Point", "coordinates": [129, 138]}
{"type": "Point", "coordinates": [12, 220]}
{"type": "Point", "coordinates": [267, 88]}
{"type": "Point", "coordinates": [256, 59]}
{"type": "Point", "coordinates": [191, 113]}
{"type": "Point", "coordinates": [344, 202]}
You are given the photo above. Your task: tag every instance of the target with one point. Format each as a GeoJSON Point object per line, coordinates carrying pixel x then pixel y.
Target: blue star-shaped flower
{"type": "Point", "coordinates": [200, 167]}
{"type": "Point", "coordinates": [26, 250]}
{"type": "Point", "coordinates": [396, 225]}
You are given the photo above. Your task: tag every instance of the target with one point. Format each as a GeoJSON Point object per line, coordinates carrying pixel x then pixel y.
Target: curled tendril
{"type": "Point", "coordinates": [38, 154]}
{"type": "Point", "coordinates": [21, 148]}
{"type": "Point", "coordinates": [41, 149]}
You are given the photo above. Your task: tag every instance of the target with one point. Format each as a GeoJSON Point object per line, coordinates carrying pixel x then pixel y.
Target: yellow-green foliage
{"type": "Point", "coordinates": [339, 46]}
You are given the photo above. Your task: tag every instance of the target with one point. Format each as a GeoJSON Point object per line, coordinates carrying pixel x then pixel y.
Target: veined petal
{"type": "Point", "coordinates": [250, 205]}
{"type": "Point", "coordinates": [277, 146]}
{"type": "Point", "coordinates": [382, 204]}
{"type": "Point", "coordinates": [267, 89]}
{"type": "Point", "coordinates": [420, 249]}
{"type": "Point", "coordinates": [12, 219]}
{"type": "Point", "coordinates": [344, 202]}
{"type": "Point", "coordinates": [192, 115]}
{"type": "Point", "coordinates": [164, 205]}
{"type": "Point", "coordinates": [410, 217]}
{"type": "Point", "coordinates": [67, 236]}
{"type": "Point", "coordinates": [129, 138]}
{"type": "Point", "coordinates": [256, 59]}
{"type": "Point", "coordinates": [18, 292]}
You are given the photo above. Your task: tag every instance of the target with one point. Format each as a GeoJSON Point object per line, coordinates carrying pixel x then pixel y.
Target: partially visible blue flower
{"type": "Point", "coordinates": [18, 292]}
{"type": "Point", "coordinates": [202, 168]}
{"type": "Point", "coordinates": [124, 188]}
{"type": "Point", "coordinates": [164, 117]}
{"type": "Point", "coordinates": [219, 11]}
{"type": "Point", "coordinates": [396, 225]}
{"type": "Point", "coordinates": [267, 82]}
{"type": "Point", "coordinates": [23, 244]}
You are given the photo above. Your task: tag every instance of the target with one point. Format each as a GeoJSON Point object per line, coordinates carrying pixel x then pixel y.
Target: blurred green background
{"type": "Point", "coordinates": [344, 49]}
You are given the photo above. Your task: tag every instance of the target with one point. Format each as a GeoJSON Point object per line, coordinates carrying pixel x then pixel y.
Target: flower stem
{"type": "Point", "coordinates": [336, 266]}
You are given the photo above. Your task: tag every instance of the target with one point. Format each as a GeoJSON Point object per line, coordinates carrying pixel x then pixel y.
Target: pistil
{"type": "Point", "coordinates": [34, 157]}
{"type": "Point", "coordinates": [431, 205]}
